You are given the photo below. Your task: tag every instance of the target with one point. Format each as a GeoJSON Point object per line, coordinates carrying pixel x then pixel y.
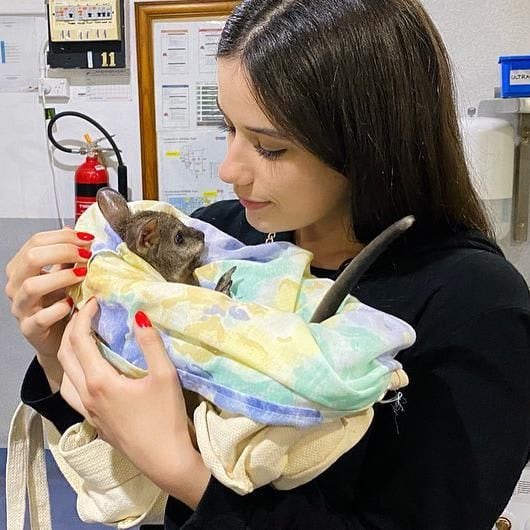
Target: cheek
{"type": "Point", "coordinates": [320, 193]}
{"type": "Point", "coordinates": [335, 187]}
{"type": "Point", "coordinates": [342, 191]}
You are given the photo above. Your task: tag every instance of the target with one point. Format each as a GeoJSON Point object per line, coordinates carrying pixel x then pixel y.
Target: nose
{"type": "Point", "coordinates": [193, 233]}
{"type": "Point", "coordinates": [235, 169]}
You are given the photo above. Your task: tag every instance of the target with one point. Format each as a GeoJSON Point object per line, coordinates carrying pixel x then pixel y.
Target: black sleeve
{"type": "Point", "coordinates": [450, 459]}
{"type": "Point", "coordinates": [265, 509]}
{"type": "Point", "coordinates": [36, 393]}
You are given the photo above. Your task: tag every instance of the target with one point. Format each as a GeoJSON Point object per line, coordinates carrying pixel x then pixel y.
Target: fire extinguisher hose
{"type": "Point", "coordinates": [122, 169]}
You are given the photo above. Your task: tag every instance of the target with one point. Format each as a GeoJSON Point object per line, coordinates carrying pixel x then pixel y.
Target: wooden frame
{"type": "Point", "coordinates": [146, 13]}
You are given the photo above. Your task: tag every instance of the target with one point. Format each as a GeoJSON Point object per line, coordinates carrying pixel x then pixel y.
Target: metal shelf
{"type": "Point", "coordinates": [504, 106]}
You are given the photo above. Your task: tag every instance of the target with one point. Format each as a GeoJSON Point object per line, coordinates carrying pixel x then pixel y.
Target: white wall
{"type": "Point", "coordinates": [27, 204]}
{"type": "Point", "coordinates": [477, 32]}
{"type": "Point", "coordinates": [27, 177]}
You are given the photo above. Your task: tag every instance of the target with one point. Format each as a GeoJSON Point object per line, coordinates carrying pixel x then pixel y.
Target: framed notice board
{"type": "Point", "coordinates": [182, 143]}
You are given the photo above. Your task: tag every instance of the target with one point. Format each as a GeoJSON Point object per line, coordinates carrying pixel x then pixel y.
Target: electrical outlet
{"type": "Point", "coordinates": [53, 87]}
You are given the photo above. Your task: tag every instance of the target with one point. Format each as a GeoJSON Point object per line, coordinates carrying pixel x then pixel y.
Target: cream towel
{"type": "Point", "coordinates": [245, 455]}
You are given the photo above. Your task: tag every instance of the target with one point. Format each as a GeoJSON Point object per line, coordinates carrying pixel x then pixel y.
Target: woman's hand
{"type": "Point", "coordinates": [38, 295]}
{"type": "Point", "coordinates": [144, 418]}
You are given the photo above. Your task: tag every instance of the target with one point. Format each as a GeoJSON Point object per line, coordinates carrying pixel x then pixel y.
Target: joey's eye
{"type": "Point", "coordinates": [178, 238]}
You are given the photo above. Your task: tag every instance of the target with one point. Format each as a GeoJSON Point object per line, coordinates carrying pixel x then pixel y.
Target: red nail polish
{"type": "Point", "coordinates": [70, 301]}
{"type": "Point", "coordinates": [80, 271]}
{"type": "Point", "coordinates": [84, 253]}
{"type": "Point", "coordinates": [142, 320]}
{"type": "Point", "coordinates": [85, 236]}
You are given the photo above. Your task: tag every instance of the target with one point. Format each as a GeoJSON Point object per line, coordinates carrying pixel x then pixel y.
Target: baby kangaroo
{"type": "Point", "coordinates": [167, 244]}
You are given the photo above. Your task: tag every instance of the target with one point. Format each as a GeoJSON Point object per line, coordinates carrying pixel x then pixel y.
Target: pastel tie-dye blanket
{"type": "Point", "coordinates": [253, 353]}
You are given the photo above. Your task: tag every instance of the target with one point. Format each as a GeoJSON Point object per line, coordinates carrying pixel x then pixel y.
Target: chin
{"type": "Point", "coordinates": [260, 222]}
{"type": "Point", "coordinates": [266, 225]}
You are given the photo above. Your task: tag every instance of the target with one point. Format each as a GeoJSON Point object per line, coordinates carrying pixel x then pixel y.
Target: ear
{"type": "Point", "coordinates": [148, 235]}
{"type": "Point", "coordinates": [114, 208]}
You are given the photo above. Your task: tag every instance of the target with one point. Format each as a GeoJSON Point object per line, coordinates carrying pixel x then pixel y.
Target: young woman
{"type": "Point", "coordinates": [341, 120]}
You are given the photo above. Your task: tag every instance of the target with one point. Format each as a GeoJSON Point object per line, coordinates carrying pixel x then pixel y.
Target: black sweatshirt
{"type": "Point", "coordinates": [448, 457]}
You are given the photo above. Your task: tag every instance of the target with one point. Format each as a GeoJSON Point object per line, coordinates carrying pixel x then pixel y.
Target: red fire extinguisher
{"type": "Point", "coordinates": [90, 176]}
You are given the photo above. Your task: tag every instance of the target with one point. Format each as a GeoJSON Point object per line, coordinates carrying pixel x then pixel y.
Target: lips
{"type": "Point", "coordinates": [253, 205]}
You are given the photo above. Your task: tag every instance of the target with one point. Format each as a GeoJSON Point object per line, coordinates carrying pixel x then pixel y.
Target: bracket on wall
{"type": "Point", "coordinates": [516, 110]}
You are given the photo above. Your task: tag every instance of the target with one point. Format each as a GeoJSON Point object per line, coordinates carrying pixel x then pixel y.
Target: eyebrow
{"type": "Point", "coordinates": [267, 132]}
{"type": "Point", "coordinates": [273, 133]}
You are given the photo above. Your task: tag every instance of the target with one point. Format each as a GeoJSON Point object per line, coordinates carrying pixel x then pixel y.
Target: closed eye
{"type": "Point", "coordinates": [269, 155]}
{"type": "Point", "coordinates": [227, 128]}
{"type": "Point", "coordinates": [264, 153]}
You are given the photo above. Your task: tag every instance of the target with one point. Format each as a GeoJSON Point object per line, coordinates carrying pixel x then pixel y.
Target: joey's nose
{"type": "Point", "coordinates": [198, 236]}
{"type": "Point", "coordinates": [193, 233]}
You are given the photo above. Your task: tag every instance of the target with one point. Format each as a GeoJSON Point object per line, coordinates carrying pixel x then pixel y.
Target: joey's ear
{"type": "Point", "coordinates": [114, 208]}
{"type": "Point", "coordinates": [148, 235]}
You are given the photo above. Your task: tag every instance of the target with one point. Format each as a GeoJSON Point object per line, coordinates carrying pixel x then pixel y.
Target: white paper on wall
{"type": "Point", "coordinates": [175, 51]}
{"type": "Point", "coordinates": [29, 7]}
{"type": "Point", "coordinates": [189, 169]}
{"type": "Point", "coordinates": [208, 41]}
{"type": "Point", "coordinates": [108, 86]}
{"type": "Point", "coordinates": [176, 106]}
{"type": "Point", "coordinates": [190, 145]}
{"type": "Point", "coordinates": [19, 64]}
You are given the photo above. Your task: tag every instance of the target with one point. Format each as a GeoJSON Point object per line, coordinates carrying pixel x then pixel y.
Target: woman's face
{"type": "Point", "coordinates": [281, 186]}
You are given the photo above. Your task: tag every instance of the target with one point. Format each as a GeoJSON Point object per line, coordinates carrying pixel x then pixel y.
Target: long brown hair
{"type": "Point", "coordinates": [366, 86]}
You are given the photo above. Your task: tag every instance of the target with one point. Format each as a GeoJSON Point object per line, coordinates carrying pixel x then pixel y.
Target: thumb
{"type": "Point", "coordinates": [152, 346]}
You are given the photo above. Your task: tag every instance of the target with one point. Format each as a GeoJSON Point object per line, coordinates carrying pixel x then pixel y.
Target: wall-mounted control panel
{"type": "Point", "coordinates": [86, 34]}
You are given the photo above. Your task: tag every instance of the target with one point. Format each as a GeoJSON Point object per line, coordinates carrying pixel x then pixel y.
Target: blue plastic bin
{"type": "Point", "coordinates": [515, 76]}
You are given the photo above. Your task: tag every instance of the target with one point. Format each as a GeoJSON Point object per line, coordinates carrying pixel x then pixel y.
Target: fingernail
{"type": "Point", "coordinates": [85, 236]}
{"type": "Point", "coordinates": [142, 320]}
{"type": "Point", "coordinates": [80, 271]}
{"type": "Point", "coordinates": [70, 301]}
{"type": "Point", "coordinates": [84, 253]}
